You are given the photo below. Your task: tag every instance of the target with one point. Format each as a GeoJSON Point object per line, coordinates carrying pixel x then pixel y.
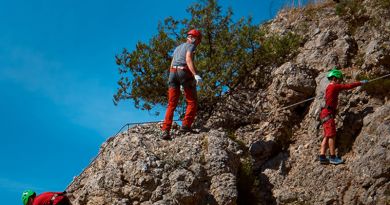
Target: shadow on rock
{"type": "Point", "coordinates": [254, 189]}
{"type": "Point", "coordinates": [352, 126]}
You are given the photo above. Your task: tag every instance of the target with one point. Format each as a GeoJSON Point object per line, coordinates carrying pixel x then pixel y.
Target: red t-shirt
{"type": "Point", "coordinates": [332, 94]}
{"type": "Point", "coordinates": [44, 198]}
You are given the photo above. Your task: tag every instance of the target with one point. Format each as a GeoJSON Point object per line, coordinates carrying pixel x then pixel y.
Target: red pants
{"type": "Point", "coordinates": [173, 99]}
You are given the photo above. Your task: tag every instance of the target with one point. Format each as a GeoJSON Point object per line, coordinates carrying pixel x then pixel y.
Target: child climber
{"type": "Point", "coordinates": [328, 114]}
{"type": "Point", "coordinates": [29, 197]}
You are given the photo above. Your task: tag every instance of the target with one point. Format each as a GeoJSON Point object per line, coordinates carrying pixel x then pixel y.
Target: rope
{"type": "Point", "coordinates": [384, 76]}
{"type": "Point", "coordinates": [300, 102]}
{"type": "Point", "coordinates": [312, 98]}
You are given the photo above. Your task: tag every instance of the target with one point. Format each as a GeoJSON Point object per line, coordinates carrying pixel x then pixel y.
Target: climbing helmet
{"type": "Point", "coordinates": [26, 195]}
{"type": "Point", "coordinates": [335, 73]}
{"type": "Point", "coordinates": [196, 33]}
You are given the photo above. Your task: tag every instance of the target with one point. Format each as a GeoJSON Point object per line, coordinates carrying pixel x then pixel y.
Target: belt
{"type": "Point", "coordinates": [175, 68]}
{"type": "Point", "coordinates": [180, 67]}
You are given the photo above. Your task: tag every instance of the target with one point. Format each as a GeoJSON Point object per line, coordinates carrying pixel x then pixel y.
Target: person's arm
{"type": "Point", "coordinates": [190, 63]}
{"type": "Point", "coordinates": [347, 86]}
{"type": "Point", "coordinates": [171, 63]}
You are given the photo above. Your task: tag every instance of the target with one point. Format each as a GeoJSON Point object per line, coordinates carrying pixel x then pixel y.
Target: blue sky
{"type": "Point", "coordinates": [58, 75]}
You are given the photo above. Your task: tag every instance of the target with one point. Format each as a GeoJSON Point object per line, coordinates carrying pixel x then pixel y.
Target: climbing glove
{"type": "Point", "coordinates": [198, 79]}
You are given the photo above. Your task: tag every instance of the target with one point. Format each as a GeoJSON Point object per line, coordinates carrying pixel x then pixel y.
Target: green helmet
{"type": "Point", "coordinates": [335, 73]}
{"type": "Point", "coordinates": [26, 195]}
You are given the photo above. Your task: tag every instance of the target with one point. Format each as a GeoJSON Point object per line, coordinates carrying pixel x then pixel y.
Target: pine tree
{"type": "Point", "coordinates": [220, 58]}
{"type": "Point", "coordinates": [228, 53]}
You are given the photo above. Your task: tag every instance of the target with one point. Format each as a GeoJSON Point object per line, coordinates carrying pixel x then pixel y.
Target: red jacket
{"type": "Point", "coordinates": [44, 198]}
{"type": "Point", "coordinates": [332, 96]}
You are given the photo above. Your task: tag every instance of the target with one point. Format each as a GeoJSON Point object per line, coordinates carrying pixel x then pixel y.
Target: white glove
{"type": "Point", "coordinates": [198, 79]}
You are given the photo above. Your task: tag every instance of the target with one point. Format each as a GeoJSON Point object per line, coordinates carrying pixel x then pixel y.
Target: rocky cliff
{"type": "Point", "coordinates": [254, 150]}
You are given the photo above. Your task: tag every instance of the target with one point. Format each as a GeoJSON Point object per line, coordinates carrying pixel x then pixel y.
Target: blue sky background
{"type": "Point", "coordinates": [58, 75]}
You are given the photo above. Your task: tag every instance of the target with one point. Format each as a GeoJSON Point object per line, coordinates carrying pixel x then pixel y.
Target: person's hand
{"type": "Point", "coordinates": [364, 81]}
{"type": "Point", "coordinates": [198, 79]}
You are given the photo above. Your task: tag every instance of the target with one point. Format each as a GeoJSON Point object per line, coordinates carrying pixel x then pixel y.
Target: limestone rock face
{"type": "Point", "coordinates": [136, 167]}
{"type": "Point", "coordinates": [255, 148]}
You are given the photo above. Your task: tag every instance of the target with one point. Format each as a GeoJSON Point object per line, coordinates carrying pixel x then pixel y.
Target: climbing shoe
{"type": "Point", "coordinates": [335, 160]}
{"type": "Point", "coordinates": [165, 135]}
{"type": "Point", "coordinates": [323, 160]}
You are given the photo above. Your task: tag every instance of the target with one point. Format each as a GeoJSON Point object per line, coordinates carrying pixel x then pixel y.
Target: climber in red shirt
{"type": "Point", "coordinates": [29, 197]}
{"type": "Point", "coordinates": [328, 113]}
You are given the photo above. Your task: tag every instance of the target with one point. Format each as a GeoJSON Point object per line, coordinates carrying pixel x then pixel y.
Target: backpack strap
{"type": "Point", "coordinates": [55, 196]}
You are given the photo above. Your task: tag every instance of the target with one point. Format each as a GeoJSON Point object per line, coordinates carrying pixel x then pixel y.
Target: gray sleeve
{"type": "Point", "coordinates": [190, 47]}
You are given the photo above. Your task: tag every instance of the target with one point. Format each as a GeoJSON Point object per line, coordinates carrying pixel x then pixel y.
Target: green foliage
{"type": "Point", "coordinates": [275, 48]}
{"type": "Point", "coordinates": [143, 71]}
{"type": "Point", "coordinates": [228, 53]}
{"type": "Point", "coordinates": [247, 184]}
{"type": "Point", "coordinates": [231, 135]}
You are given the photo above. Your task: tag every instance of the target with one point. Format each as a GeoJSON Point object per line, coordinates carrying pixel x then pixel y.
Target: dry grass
{"type": "Point", "coordinates": [317, 5]}
{"type": "Point", "coordinates": [301, 4]}
{"type": "Point", "coordinates": [309, 8]}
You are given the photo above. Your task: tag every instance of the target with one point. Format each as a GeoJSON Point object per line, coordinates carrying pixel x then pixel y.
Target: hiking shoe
{"type": "Point", "coordinates": [165, 135]}
{"type": "Point", "coordinates": [335, 160]}
{"type": "Point", "coordinates": [185, 129]}
{"type": "Point", "coordinates": [324, 160]}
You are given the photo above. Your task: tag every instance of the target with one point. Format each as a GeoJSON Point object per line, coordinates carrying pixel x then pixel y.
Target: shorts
{"type": "Point", "coordinates": [329, 128]}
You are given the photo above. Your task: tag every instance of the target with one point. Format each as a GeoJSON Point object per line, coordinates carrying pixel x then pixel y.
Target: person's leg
{"type": "Point", "coordinates": [329, 132]}
{"type": "Point", "coordinates": [324, 146]}
{"type": "Point", "coordinates": [333, 159]}
{"type": "Point", "coordinates": [191, 99]}
{"type": "Point", "coordinates": [173, 99]}
{"type": "Point", "coordinates": [332, 147]}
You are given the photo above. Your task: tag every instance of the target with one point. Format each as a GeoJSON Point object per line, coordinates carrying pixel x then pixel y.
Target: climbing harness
{"type": "Point", "coordinates": [328, 117]}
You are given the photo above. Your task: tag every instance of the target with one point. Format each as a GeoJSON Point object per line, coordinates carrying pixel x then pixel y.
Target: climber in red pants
{"type": "Point", "coordinates": [328, 114]}
{"type": "Point", "coordinates": [183, 73]}
{"type": "Point", "coordinates": [29, 197]}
